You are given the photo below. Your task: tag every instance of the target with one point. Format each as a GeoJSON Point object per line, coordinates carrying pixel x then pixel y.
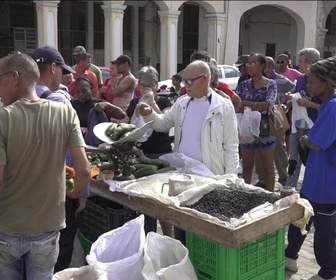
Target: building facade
{"type": "Point", "coordinates": [165, 33]}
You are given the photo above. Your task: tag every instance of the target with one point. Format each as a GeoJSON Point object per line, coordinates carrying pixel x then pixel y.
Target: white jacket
{"type": "Point", "coordinates": [219, 140]}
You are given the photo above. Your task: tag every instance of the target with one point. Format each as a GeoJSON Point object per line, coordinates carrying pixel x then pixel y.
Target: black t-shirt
{"type": "Point", "coordinates": [158, 142]}
{"type": "Point", "coordinates": [83, 109]}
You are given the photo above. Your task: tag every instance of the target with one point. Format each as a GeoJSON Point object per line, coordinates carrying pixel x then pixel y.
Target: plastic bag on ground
{"type": "Point", "coordinates": [88, 272]}
{"type": "Point", "coordinates": [120, 252]}
{"type": "Point", "coordinates": [166, 259]}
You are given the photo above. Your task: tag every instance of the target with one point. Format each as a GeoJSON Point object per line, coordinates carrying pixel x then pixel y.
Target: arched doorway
{"type": "Point", "coordinates": [267, 30]}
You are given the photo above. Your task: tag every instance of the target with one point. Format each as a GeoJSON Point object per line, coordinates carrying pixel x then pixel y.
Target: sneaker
{"type": "Point", "coordinates": [318, 277]}
{"type": "Point", "coordinates": [291, 265]}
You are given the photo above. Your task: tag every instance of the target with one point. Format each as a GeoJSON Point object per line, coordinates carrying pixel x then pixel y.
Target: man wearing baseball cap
{"type": "Point", "coordinates": [123, 59]}
{"type": "Point", "coordinates": [123, 89]}
{"type": "Point", "coordinates": [240, 64]}
{"type": "Point", "coordinates": [52, 67]}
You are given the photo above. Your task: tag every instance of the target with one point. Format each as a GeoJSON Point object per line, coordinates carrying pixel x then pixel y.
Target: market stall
{"type": "Point", "coordinates": [252, 249]}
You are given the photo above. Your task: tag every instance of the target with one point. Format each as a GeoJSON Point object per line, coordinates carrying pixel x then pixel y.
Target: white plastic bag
{"type": "Point", "coordinates": [299, 113]}
{"type": "Point", "coordinates": [166, 259]}
{"type": "Point", "coordinates": [187, 164]}
{"type": "Point", "coordinates": [88, 272]}
{"type": "Point", "coordinates": [248, 125]}
{"type": "Point", "coordinates": [138, 121]}
{"type": "Point", "coordinates": [120, 252]}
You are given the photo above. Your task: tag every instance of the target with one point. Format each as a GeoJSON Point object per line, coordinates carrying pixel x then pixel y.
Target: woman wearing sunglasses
{"type": "Point", "coordinates": [259, 94]}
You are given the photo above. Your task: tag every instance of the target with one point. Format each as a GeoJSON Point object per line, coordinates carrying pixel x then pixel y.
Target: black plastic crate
{"type": "Point", "coordinates": [102, 215]}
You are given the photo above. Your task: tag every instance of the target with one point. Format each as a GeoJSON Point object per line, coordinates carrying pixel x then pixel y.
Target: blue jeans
{"type": "Point", "coordinates": [38, 252]}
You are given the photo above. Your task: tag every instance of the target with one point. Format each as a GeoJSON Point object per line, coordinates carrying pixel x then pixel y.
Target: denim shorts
{"type": "Point", "coordinates": [38, 252]}
{"type": "Point", "coordinates": [261, 143]}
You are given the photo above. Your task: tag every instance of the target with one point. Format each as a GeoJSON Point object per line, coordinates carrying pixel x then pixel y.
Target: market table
{"type": "Point", "coordinates": [230, 237]}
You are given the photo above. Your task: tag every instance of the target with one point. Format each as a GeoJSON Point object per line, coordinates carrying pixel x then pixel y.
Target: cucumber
{"type": "Point", "coordinates": [109, 130]}
{"type": "Point", "coordinates": [166, 169]}
{"type": "Point", "coordinates": [132, 167]}
{"type": "Point", "coordinates": [145, 171]}
{"type": "Point", "coordinates": [159, 162]}
{"type": "Point", "coordinates": [142, 165]}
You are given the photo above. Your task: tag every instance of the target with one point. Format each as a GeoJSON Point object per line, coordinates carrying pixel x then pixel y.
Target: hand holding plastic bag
{"type": "Point", "coordinates": [166, 259]}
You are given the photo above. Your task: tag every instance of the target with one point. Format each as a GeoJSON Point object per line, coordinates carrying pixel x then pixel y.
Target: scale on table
{"type": "Point", "coordinates": [121, 151]}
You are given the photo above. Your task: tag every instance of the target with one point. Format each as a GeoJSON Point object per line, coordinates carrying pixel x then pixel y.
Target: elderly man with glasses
{"type": "Point", "coordinates": [205, 123]}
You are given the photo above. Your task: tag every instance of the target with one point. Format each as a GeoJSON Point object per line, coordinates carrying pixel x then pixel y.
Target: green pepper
{"type": "Point", "coordinates": [70, 184]}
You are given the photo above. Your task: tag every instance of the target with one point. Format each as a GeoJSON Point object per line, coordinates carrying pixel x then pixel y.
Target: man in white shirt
{"type": "Point", "coordinates": [205, 124]}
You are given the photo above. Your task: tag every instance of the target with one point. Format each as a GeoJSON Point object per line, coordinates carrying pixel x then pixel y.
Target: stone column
{"type": "Point", "coordinates": [47, 29]}
{"type": "Point", "coordinates": [90, 28]}
{"type": "Point", "coordinates": [114, 15]}
{"type": "Point", "coordinates": [168, 43]}
{"type": "Point", "coordinates": [135, 39]}
{"type": "Point", "coordinates": [216, 36]}
{"type": "Point", "coordinates": [320, 39]}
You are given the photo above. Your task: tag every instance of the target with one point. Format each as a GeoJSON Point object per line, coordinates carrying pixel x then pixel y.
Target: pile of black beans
{"type": "Point", "coordinates": [225, 204]}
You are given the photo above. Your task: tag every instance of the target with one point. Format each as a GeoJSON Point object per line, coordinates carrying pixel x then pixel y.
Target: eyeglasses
{"type": "Point", "coordinates": [253, 63]}
{"type": "Point", "coordinates": [189, 82]}
{"type": "Point", "coordinates": [281, 61]}
{"type": "Point", "coordinates": [6, 73]}
{"type": "Point", "coordinates": [146, 85]}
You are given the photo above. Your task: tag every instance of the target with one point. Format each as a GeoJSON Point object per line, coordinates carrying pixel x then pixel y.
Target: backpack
{"type": "Point", "coordinates": [95, 117]}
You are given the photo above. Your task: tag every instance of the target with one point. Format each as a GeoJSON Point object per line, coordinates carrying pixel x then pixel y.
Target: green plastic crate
{"type": "Point", "coordinates": [262, 259]}
{"type": "Point", "coordinates": [86, 243]}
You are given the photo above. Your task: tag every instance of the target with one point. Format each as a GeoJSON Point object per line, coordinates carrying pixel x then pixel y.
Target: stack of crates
{"type": "Point", "coordinates": [262, 259]}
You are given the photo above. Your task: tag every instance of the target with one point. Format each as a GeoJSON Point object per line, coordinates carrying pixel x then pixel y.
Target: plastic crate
{"type": "Point", "coordinates": [86, 243]}
{"type": "Point", "coordinates": [102, 215]}
{"type": "Point", "coordinates": [262, 259]}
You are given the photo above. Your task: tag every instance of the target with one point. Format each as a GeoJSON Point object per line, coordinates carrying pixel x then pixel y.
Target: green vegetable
{"type": "Point", "coordinates": [107, 166]}
{"type": "Point", "coordinates": [158, 162]}
{"type": "Point", "coordinates": [165, 169]}
{"type": "Point", "coordinates": [70, 184]}
{"type": "Point", "coordinates": [109, 130]}
{"type": "Point", "coordinates": [145, 171]}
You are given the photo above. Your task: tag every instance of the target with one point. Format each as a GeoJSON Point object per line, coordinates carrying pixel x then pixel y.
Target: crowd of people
{"type": "Point", "coordinates": [202, 113]}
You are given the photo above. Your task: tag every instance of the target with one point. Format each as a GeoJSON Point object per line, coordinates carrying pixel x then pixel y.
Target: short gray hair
{"type": "Point", "coordinates": [311, 55]}
{"type": "Point", "coordinates": [201, 67]}
{"type": "Point", "coordinates": [23, 64]}
{"type": "Point", "coordinates": [149, 73]}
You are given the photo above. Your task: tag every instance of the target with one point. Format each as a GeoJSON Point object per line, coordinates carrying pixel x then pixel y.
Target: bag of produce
{"type": "Point", "coordinates": [88, 272]}
{"type": "Point", "coordinates": [120, 252]}
{"type": "Point", "coordinates": [166, 258]}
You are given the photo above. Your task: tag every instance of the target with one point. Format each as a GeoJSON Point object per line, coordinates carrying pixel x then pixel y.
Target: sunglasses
{"type": "Point", "coordinates": [189, 82]}
{"type": "Point", "coordinates": [281, 61]}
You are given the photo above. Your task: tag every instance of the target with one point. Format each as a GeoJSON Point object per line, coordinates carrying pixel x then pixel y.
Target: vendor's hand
{"type": "Point", "coordinates": [303, 102]}
{"type": "Point", "coordinates": [101, 106]}
{"type": "Point", "coordinates": [143, 109]}
{"type": "Point", "coordinates": [81, 204]}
